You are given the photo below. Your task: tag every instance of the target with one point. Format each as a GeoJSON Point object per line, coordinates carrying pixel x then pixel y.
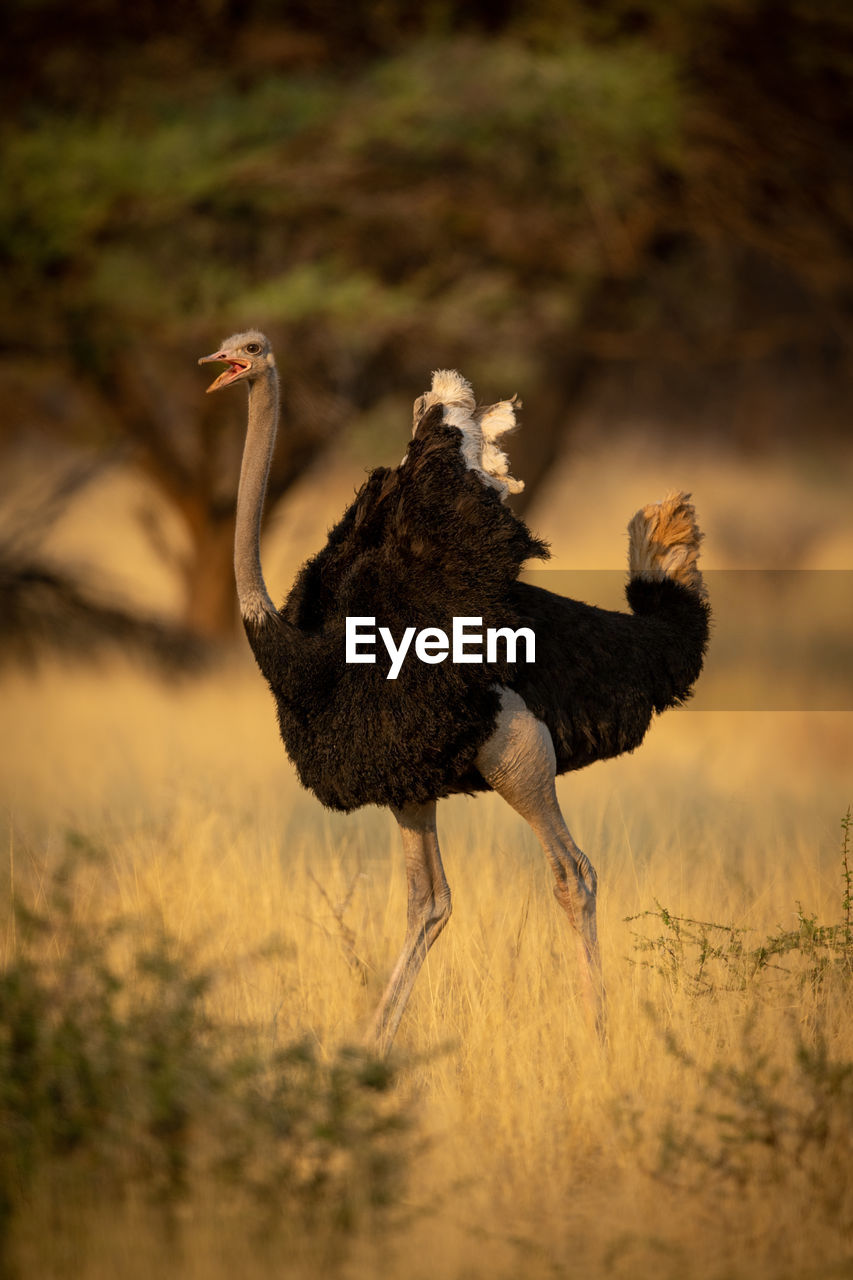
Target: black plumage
{"type": "Point", "coordinates": [420, 545]}
{"type": "Point", "coordinates": [600, 675]}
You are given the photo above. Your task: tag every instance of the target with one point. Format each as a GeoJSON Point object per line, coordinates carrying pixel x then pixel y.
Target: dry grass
{"type": "Point", "coordinates": [709, 1140]}
{"type": "Point", "coordinates": [544, 1155]}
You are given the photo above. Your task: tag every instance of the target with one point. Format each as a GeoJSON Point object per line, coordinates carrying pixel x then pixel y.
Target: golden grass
{"type": "Point", "coordinates": [538, 1154]}
{"type": "Point", "coordinates": [544, 1155]}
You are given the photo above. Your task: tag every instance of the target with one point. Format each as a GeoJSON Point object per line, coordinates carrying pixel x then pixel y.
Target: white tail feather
{"type": "Point", "coordinates": [664, 541]}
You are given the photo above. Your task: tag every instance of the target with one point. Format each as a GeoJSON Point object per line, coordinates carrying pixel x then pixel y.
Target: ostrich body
{"type": "Point", "coordinates": [423, 543]}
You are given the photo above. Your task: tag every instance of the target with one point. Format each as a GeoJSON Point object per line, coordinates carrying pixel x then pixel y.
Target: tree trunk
{"type": "Point", "coordinates": [211, 599]}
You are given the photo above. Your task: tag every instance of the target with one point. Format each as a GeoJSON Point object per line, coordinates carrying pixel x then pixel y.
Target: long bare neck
{"type": "Point", "coordinates": [255, 602]}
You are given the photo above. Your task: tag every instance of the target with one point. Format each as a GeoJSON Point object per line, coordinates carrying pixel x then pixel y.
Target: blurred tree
{"type": "Point", "coordinates": [532, 192]}
{"type": "Point", "coordinates": [430, 211]}
{"type": "Point", "coordinates": [103, 228]}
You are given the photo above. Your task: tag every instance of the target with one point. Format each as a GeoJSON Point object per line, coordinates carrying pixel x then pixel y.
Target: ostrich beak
{"type": "Point", "coordinates": [235, 368]}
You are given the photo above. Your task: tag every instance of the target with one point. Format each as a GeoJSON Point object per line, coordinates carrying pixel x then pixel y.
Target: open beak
{"type": "Point", "coordinates": [235, 368]}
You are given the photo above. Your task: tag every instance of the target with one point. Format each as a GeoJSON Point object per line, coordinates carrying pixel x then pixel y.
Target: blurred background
{"type": "Point", "coordinates": [636, 214]}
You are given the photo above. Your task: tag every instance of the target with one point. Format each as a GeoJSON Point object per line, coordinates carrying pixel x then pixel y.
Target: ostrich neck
{"type": "Point", "coordinates": [255, 602]}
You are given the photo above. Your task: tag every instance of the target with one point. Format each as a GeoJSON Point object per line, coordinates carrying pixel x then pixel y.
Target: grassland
{"type": "Point", "coordinates": [157, 835]}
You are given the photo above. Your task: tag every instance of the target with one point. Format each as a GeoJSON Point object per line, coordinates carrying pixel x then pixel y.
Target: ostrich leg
{"type": "Point", "coordinates": [518, 762]}
{"type": "Point", "coordinates": [428, 913]}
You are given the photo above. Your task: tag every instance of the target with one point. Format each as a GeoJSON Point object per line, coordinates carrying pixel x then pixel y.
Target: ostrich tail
{"type": "Point", "coordinates": [666, 585]}
{"type": "Point", "coordinates": [664, 543]}
{"type": "Point", "coordinates": [481, 427]}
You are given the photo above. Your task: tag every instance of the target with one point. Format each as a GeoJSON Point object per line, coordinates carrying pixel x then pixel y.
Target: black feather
{"type": "Point", "coordinates": [420, 545]}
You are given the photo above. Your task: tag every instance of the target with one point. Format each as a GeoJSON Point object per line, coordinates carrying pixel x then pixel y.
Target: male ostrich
{"type": "Point", "coordinates": [421, 544]}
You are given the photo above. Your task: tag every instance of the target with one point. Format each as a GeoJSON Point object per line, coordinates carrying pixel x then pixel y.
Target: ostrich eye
{"type": "Point", "coordinates": [253, 348]}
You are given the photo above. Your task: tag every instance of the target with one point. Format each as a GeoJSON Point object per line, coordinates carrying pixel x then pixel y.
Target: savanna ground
{"type": "Point", "coordinates": [197, 943]}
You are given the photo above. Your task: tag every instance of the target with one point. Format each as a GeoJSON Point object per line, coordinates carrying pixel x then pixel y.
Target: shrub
{"type": "Point", "coordinates": [702, 957]}
{"type": "Point", "coordinates": [116, 1083]}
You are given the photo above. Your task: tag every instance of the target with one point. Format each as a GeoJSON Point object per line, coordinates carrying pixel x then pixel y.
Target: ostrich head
{"type": "Point", "coordinates": [248, 355]}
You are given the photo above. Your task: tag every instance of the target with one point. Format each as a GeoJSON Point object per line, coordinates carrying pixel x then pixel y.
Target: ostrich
{"type": "Point", "coordinates": [423, 544]}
